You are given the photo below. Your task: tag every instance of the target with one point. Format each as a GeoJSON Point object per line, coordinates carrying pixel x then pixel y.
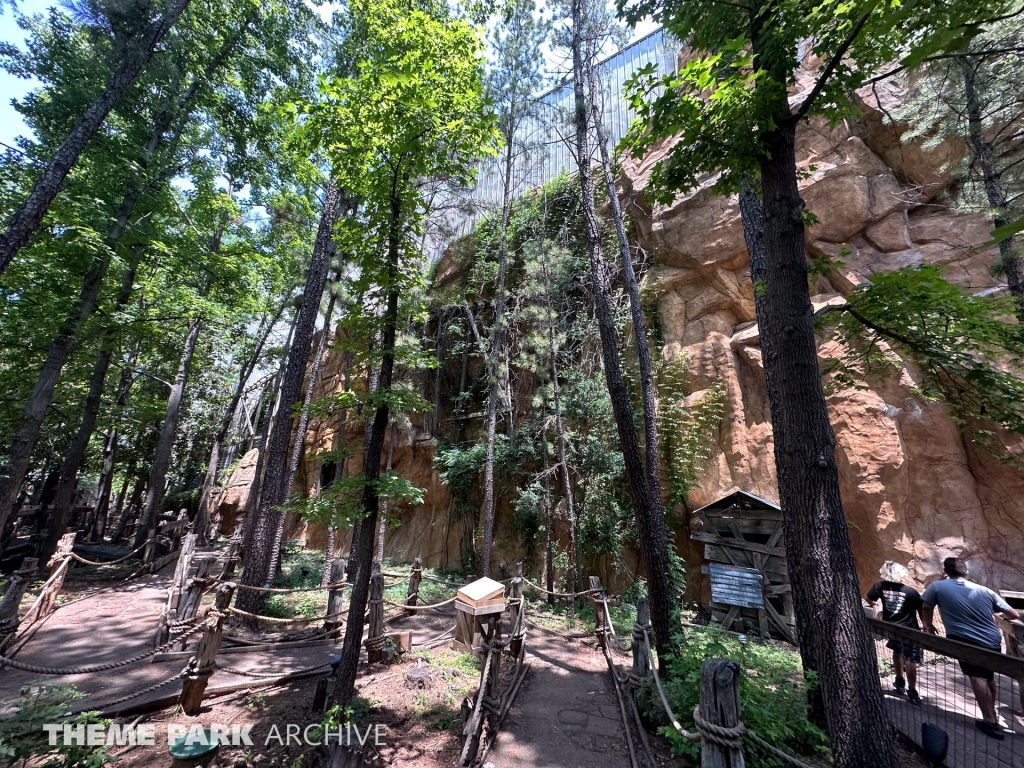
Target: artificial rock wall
{"type": "Point", "coordinates": [913, 489]}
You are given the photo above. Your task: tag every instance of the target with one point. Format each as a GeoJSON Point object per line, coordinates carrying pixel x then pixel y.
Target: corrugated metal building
{"type": "Point", "coordinates": [549, 133]}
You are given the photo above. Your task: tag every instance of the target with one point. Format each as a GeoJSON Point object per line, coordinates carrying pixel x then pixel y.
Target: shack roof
{"type": "Point", "coordinates": [741, 500]}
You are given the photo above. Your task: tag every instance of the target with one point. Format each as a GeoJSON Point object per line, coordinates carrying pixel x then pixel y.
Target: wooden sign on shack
{"type": "Point", "coordinates": [746, 554]}
{"type": "Point", "coordinates": [475, 604]}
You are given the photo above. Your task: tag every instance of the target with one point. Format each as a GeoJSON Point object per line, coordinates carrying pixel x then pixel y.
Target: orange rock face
{"type": "Point", "coordinates": [913, 489]}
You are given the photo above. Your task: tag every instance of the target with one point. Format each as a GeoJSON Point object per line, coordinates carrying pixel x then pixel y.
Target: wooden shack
{"type": "Point", "coordinates": [746, 561]}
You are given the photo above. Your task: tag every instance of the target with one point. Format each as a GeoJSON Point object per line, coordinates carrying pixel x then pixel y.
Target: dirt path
{"type": "Point", "coordinates": [566, 715]}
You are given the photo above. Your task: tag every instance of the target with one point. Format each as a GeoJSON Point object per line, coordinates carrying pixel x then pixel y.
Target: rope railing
{"type": "Point", "coordinates": [265, 675]}
{"type": "Point", "coordinates": [728, 737]}
{"type": "Point", "coordinates": [278, 620]}
{"type": "Point", "coordinates": [95, 563]}
{"type": "Point", "coordinates": [290, 590]}
{"type": "Point", "coordinates": [59, 671]}
{"type": "Point", "coordinates": [424, 607]}
{"type": "Point", "coordinates": [539, 588]}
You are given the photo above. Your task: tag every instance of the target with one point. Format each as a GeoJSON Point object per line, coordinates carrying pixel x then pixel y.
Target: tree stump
{"type": "Point", "coordinates": [720, 705]}
{"type": "Point", "coordinates": [200, 667]}
{"type": "Point", "coordinates": [413, 592]}
{"type": "Point", "coordinates": [419, 678]}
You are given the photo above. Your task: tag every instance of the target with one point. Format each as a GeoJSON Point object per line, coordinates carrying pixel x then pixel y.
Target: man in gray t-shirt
{"type": "Point", "coordinates": [967, 610]}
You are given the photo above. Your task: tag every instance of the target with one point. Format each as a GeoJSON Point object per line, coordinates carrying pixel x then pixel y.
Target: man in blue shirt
{"type": "Point", "coordinates": [967, 610]}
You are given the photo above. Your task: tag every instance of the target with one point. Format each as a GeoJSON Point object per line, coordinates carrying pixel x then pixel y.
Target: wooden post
{"type": "Point", "coordinates": [516, 609]}
{"type": "Point", "coordinates": [375, 633]}
{"type": "Point", "coordinates": [492, 700]}
{"type": "Point", "coordinates": [170, 613]}
{"type": "Point", "coordinates": [597, 603]}
{"type": "Point", "coordinates": [189, 605]}
{"type": "Point", "coordinates": [336, 597]}
{"type": "Point", "coordinates": [19, 583]}
{"type": "Point", "coordinates": [198, 670]}
{"type": "Point", "coordinates": [720, 705]}
{"type": "Point", "coordinates": [150, 550]}
{"type": "Point", "coordinates": [641, 661]}
{"type": "Point", "coordinates": [231, 557]}
{"type": "Point", "coordinates": [176, 535]}
{"type": "Point", "coordinates": [59, 564]}
{"type": "Point", "coordinates": [412, 594]}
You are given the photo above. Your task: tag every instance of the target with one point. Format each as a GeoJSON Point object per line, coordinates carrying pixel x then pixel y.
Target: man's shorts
{"type": "Point", "coordinates": [973, 670]}
{"type": "Point", "coordinates": [908, 651]}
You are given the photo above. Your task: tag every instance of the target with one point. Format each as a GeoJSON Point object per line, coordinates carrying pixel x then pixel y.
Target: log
{"type": "Point", "coordinates": [720, 705]}
{"type": "Point", "coordinates": [375, 632]}
{"type": "Point", "coordinates": [515, 605]}
{"type": "Point", "coordinates": [413, 592]}
{"type": "Point", "coordinates": [198, 671]}
{"type": "Point", "coordinates": [336, 598]}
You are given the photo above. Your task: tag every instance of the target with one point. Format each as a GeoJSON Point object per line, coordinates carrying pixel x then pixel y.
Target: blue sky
{"type": "Point", "coordinates": [11, 124]}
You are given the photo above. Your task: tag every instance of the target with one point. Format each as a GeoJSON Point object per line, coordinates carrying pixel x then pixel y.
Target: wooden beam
{"type": "Point", "coordinates": [972, 654]}
{"type": "Point", "coordinates": [750, 546]}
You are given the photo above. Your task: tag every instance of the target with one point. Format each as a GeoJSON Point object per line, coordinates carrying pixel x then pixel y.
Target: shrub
{"type": "Point", "coordinates": [22, 738]}
{"type": "Point", "coordinates": [773, 695]}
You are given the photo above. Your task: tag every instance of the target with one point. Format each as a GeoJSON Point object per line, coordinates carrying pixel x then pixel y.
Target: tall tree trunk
{"type": "Point", "coordinates": [496, 365]}
{"type": "Point", "coordinates": [983, 155]}
{"type": "Point", "coordinates": [549, 549]}
{"type": "Point", "coordinates": [274, 492]}
{"type": "Point", "coordinates": [203, 515]}
{"type": "Point", "coordinates": [42, 395]}
{"type": "Point", "coordinates": [300, 432]}
{"type": "Point", "coordinates": [263, 440]}
{"type": "Point", "coordinates": [136, 56]}
{"type": "Point", "coordinates": [168, 431]}
{"type": "Point", "coordinates": [636, 312]}
{"type": "Point", "coordinates": [60, 512]}
{"type": "Point", "coordinates": [127, 512]}
{"type": "Point", "coordinates": [382, 530]}
{"type": "Point", "coordinates": [352, 564]}
{"type": "Point", "coordinates": [834, 636]}
{"type": "Point", "coordinates": [650, 517]}
{"type": "Point", "coordinates": [344, 688]}
{"type": "Point", "coordinates": [20, 453]}
{"type": "Point", "coordinates": [105, 485]}
{"type": "Point", "coordinates": [563, 453]}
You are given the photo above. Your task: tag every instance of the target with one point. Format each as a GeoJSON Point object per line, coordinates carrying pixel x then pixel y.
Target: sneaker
{"type": "Point", "coordinates": [992, 730]}
{"type": "Point", "coordinates": [900, 686]}
{"type": "Point", "coordinates": [913, 697]}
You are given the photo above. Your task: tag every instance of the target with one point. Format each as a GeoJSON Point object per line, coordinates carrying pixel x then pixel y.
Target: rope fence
{"type": "Point", "coordinates": [59, 671]}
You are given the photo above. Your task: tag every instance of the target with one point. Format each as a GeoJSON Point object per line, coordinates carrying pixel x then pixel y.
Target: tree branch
{"type": "Point", "coordinates": [830, 68]}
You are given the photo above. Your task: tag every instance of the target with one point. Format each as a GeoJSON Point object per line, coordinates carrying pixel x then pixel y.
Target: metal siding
{"type": "Point", "coordinates": [556, 111]}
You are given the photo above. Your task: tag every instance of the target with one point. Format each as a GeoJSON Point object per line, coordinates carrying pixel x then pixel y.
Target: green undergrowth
{"type": "Point", "coordinates": [773, 695]}
{"type": "Point", "coordinates": [23, 741]}
{"type": "Point", "coordinates": [303, 568]}
{"type": "Point", "coordinates": [557, 615]}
